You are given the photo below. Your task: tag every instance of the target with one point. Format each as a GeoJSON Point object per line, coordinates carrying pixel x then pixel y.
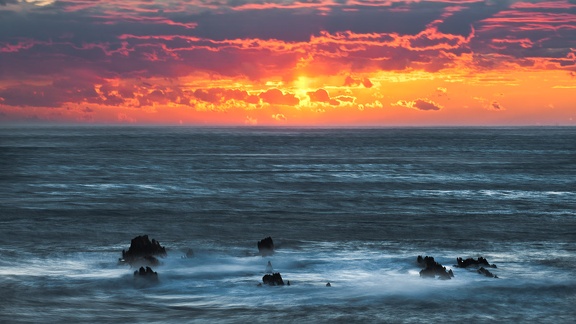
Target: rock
{"type": "Point", "coordinates": [146, 273]}
{"type": "Point", "coordinates": [433, 268]}
{"type": "Point", "coordinates": [274, 279]}
{"type": "Point", "coordinates": [475, 263]}
{"type": "Point", "coordinates": [487, 273]}
{"type": "Point", "coordinates": [328, 285]}
{"type": "Point", "coordinates": [266, 246]}
{"type": "Point", "coordinates": [143, 250]}
{"type": "Point", "coordinates": [428, 272]}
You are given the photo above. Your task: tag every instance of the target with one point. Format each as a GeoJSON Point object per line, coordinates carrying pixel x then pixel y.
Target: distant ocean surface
{"type": "Point", "coordinates": [353, 207]}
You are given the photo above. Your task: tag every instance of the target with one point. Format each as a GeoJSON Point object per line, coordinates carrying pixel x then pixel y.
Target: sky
{"type": "Point", "coordinates": [285, 63]}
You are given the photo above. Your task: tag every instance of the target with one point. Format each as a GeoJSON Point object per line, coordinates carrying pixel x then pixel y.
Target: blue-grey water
{"type": "Point", "coordinates": [353, 207]}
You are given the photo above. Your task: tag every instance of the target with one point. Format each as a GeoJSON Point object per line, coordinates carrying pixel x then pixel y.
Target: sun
{"type": "Point", "coordinates": [302, 85]}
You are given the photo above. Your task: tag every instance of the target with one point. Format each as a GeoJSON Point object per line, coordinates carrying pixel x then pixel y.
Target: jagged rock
{"type": "Point", "coordinates": [476, 263]}
{"type": "Point", "coordinates": [266, 246]}
{"type": "Point", "coordinates": [146, 273]}
{"type": "Point", "coordinates": [487, 273]}
{"type": "Point", "coordinates": [433, 268]}
{"type": "Point", "coordinates": [143, 250]}
{"type": "Point", "coordinates": [274, 279]}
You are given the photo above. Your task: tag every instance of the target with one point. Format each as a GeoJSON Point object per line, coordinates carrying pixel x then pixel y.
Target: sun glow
{"type": "Point", "coordinates": [302, 85]}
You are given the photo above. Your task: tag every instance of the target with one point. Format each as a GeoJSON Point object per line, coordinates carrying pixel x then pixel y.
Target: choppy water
{"type": "Point", "coordinates": [353, 207]}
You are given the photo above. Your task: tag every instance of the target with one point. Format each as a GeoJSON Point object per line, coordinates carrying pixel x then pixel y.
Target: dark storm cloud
{"type": "Point", "coordinates": [462, 22]}
{"type": "Point", "coordinates": [6, 2]}
{"type": "Point", "coordinates": [298, 25]}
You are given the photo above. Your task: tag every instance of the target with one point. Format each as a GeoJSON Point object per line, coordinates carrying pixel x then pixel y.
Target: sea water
{"type": "Point", "coordinates": [353, 207]}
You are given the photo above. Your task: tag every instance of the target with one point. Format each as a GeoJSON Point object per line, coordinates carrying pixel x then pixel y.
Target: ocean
{"type": "Point", "coordinates": [352, 207]}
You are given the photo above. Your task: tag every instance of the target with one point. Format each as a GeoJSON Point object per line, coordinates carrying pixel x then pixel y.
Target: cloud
{"type": "Point", "coordinates": [250, 121]}
{"type": "Point", "coordinates": [219, 95]}
{"type": "Point", "coordinates": [277, 97]}
{"type": "Point", "coordinates": [492, 105]}
{"type": "Point", "coordinates": [218, 55]}
{"type": "Point", "coordinates": [441, 90]}
{"type": "Point", "coordinates": [419, 104]}
{"type": "Point", "coordinates": [279, 117]}
{"type": "Point", "coordinates": [6, 2]}
{"type": "Point", "coordinates": [495, 105]}
{"type": "Point", "coordinates": [32, 96]}
{"type": "Point", "coordinates": [158, 40]}
{"type": "Point", "coordinates": [346, 99]}
{"type": "Point", "coordinates": [322, 95]}
{"type": "Point", "coordinates": [351, 82]}
{"type": "Point", "coordinates": [124, 118]}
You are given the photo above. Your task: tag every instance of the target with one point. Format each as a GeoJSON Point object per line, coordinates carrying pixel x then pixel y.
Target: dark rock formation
{"type": "Point", "coordinates": [487, 273]}
{"type": "Point", "coordinates": [143, 250]}
{"type": "Point", "coordinates": [274, 279]}
{"type": "Point", "coordinates": [433, 268]}
{"type": "Point", "coordinates": [266, 246]}
{"type": "Point", "coordinates": [146, 273]}
{"type": "Point", "coordinates": [475, 263]}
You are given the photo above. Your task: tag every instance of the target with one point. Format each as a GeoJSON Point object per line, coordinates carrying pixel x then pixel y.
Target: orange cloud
{"type": "Point", "coordinates": [351, 82]}
{"type": "Point", "coordinates": [419, 104]}
{"type": "Point", "coordinates": [322, 95]}
{"type": "Point", "coordinates": [219, 95]}
{"type": "Point", "coordinates": [277, 97]}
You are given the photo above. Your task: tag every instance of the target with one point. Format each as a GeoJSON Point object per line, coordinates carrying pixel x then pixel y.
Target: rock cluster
{"type": "Point", "coordinates": [433, 268]}
{"type": "Point", "coordinates": [146, 273]}
{"type": "Point", "coordinates": [274, 279]}
{"type": "Point", "coordinates": [143, 250]}
{"type": "Point", "coordinates": [475, 263]}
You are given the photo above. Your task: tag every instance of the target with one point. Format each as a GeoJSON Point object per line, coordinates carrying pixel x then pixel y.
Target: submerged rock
{"type": "Point", "coordinates": [433, 268]}
{"type": "Point", "coordinates": [475, 263]}
{"type": "Point", "coordinates": [266, 246]}
{"type": "Point", "coordinates": [487, 273]}
{"type": "Point", "coordinates": [146, 273]}
{"type": "Point", "coordinates": [142, 250]}
{"type": "Point", "coordinates": [274, 279]}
